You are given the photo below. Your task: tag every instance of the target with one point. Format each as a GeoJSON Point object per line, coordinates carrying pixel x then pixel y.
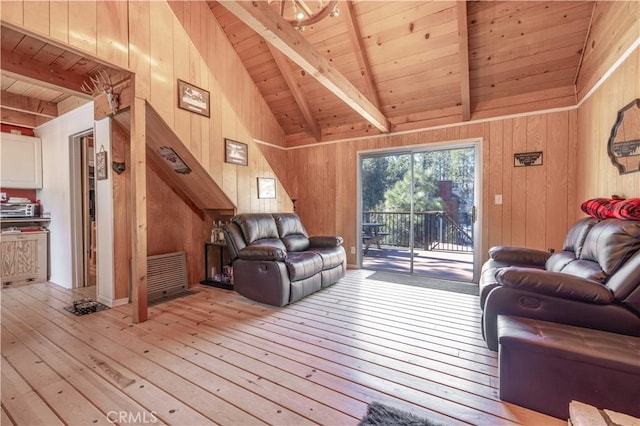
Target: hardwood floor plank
{"type": "Point", "coordinates": [5, 420]}
{"type": "Point", "coordinates": [211, 343]}
{"type": "Point", "coordinates": [255, 383]}
{"type": "Point", "coordinates": [100, 392]}
{"type": "Point", "coordinates": [21, 402]}
{"type": "Point", "coordinates": [266, 391]}
{"type": "Point", "coordinates": [139, 385]}
{"type": "Point", "coordinates": [447, 303]}
{"type": "Point", "coordinates": [380, 346]}
{"type": "Point", "coordinates": [427, 317]}
{"type": "Point", "coordinates": [68, 404]}
{"type": "Point", "coordinates": [320, 360]}
{"type": "Point", "coordinates": [477, 351]}
{"type": "Point", "coordinates": [456, 401]}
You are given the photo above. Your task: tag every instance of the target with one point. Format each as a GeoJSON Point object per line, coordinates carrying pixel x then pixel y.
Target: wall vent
{"type": "Point", "coordinates": [166, 275]}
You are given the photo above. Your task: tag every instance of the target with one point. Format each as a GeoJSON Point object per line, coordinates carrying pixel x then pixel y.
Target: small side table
{"type": "Point", "coordinates": [225, 280]}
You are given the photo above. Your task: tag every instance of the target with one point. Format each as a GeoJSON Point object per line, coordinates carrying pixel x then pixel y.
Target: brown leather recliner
{"type": "Point", "coordinates": [276, 262]}
{"type": "Point", "coordinates": [594, 282]}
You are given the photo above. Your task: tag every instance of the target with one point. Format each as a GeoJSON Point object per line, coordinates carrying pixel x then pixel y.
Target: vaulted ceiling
{"type": "Point", "coordinates": [376, 67]}
{"type": "Point", "coordinates": [410, 64]}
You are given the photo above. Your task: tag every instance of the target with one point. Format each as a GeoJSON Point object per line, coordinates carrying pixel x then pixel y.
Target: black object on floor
{"type": "Point", "coordinates": [426, 282]}
{"type": "Point", "coordinates": [85, 307]}
{"type": "Point", "coordinates": [383, 415]}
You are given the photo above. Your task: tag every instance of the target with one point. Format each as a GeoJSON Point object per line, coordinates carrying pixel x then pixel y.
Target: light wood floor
{"type": "Point", "coordinates": [217, 358]}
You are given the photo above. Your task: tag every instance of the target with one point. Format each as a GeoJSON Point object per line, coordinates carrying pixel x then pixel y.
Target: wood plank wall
{"type": "Point", "coordinates": [165, 43]}
{"type": "Point", "coordinates": [616, 25]}
{"type": "Point", "coordinates": [538, 202]}
{"type": "Point", "coordinates": [597, 177]}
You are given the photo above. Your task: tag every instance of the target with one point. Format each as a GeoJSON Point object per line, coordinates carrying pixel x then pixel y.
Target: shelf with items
{"type": "Point", "coordinates": [220, 276]}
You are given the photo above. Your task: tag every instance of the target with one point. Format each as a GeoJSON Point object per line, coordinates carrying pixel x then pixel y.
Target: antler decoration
{"type": "Point", "coordinates": [101, 83]}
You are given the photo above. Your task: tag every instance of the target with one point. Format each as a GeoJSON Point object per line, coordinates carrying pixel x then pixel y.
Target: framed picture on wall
{"type": "Point", "coordinates": [266, 188]}
{"type": "Point", "coordinates": [193, 98]}
{"type": "Point", "coordinates": [236, 152]}
{"type": "Point", "coordinates": [101, 164]}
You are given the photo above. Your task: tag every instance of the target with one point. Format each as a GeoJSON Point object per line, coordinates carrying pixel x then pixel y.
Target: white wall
{"type": "Point", "coordinates": [104, 220]}
{"type": "Point", "coordinates": [56, 186]}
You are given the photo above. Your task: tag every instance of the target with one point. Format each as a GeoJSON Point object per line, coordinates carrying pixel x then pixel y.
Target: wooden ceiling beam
{"type": "Point", "coordinates": [360, 53]}
{"type": "Point", "coordinates": [17, 118]}
{"type": "Point", "coordinates": [296, 91]}
{"type": "Point", "coordinates": [26, 104]}
{"type": "Point", "coordinates": [463, 51]}
{"type": "Point", "coordinates": [25, 69]}
{"type": "Point", "coordinates": [274, 29]}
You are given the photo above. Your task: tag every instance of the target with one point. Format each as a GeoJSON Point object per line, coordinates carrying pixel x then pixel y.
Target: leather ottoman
{"type": "Point", "coordinates": [545, 365]}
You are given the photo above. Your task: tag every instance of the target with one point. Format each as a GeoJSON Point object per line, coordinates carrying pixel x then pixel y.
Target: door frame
{"type": "Point", "coordinates": [78, 260]}
{"type": "Point", "coordinates": [475, 143]}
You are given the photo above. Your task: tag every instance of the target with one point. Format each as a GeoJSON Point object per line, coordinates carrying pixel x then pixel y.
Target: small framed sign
{"type": "Point", "coordinates": [236, 152]}
{"type": "Point", "coordinates": [266, 188]}
{"type": "Point", "coordinates": [193, 98]}
{"type": "Point", "coordinates": [523, 159]}
{"type": "Point", "coordinates": [101, 164]}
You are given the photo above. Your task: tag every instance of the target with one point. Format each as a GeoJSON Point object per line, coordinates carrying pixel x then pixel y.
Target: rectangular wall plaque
{"type": "Point", "coordinates": [523, 159]}
{"type": "Point", "coordinates": [236, 152]}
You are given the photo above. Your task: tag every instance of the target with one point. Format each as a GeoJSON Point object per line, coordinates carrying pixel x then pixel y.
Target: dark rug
{"type": "Point", "coordinates": [426, 282]}
{"type": "Point", "coordinates": [383, 415]}
{"type": "Point", "coordinates": [85, 307]}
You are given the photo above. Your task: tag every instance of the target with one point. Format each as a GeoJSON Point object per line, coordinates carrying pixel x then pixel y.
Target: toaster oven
{"type": "Point", "coordinates": [8, 210]}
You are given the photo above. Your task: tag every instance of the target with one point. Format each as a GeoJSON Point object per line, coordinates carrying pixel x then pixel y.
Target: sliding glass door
{"type": "Point", "coordinates": [418, 211]}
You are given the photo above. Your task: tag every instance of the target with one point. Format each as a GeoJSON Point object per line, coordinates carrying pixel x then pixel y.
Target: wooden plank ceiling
{"type": "Point", "coordinates": [420, 64]}
{"type": "Point", "coordinates": [375, 67]}
{"type": "Point", "coordinates": [39, 80]}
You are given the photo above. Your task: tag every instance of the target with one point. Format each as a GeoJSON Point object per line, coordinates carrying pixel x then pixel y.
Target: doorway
{"type": "Point", "coordinates": [83, 209]}
{"type": "Point", "coordinates": [418, 211]}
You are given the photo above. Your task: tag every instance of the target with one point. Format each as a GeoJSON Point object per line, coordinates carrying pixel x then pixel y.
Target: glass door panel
{"type": "Point", "coordinates": [386, 181]}
{"type": "Point", "coordinates": [418, 212]}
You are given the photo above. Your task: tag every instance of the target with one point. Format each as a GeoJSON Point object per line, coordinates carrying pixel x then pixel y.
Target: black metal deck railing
{"type": "Point", "coordinates": [433, 230]}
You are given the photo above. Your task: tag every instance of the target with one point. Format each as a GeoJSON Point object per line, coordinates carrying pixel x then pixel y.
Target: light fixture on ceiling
{"type": "Point", "coordinates": [302, 13]}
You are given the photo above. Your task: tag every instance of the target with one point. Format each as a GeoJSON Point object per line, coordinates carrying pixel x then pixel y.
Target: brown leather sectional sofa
{"type": "Point", "coordinates": [566, 323]}
{"type": "Point", "coordinates": [594, 282]}
{"type": "Point", "coordinates": [276, 262]}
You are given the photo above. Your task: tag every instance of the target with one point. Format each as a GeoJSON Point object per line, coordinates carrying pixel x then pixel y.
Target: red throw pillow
{"type": "Point", "coordinates": [628, 209]}
{"type": "Point", "coordinates": [601, 208]}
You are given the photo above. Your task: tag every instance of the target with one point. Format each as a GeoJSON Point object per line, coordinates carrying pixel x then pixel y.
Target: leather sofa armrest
{"type": "Point", "coordinates": [519, 255]}
{"type": "Point", "coordinates": [262, 253]}
{"type": "Point", "coordinates": [555, 284]}
{"type": "Point", "coordinates": [325, 241]}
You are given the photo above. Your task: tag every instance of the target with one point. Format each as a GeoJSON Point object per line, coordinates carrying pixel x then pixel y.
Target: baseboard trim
{"type": "Point", "coordinates": [112, 303]}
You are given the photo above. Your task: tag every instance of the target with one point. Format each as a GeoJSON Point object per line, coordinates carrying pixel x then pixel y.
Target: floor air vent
{"type": "Point", "coordinates": [166, 275]}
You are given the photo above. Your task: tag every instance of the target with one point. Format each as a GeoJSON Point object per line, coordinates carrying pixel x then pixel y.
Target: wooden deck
{"type": "Point", "coordinates": [456, 266]}
{"type": "Point", "coordinates": [217, 358]}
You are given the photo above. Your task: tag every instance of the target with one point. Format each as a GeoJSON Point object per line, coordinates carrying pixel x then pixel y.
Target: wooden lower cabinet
{"type": "Point", "coordinates": [23, 257]}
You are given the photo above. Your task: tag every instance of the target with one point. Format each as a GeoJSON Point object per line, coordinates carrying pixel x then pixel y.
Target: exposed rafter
{"type": "Point", "coordinates": [463, 46]}
{"type": "Point", "coordinates": [17, 118]}
{"type": "Point", "coordinates": [296, 91]}
{"type": "Point", "coordinates": [25, 69]}
{"type": "Point", "coordinates": [28, 105]}
{"type": "Point", "coordinates": [267, 23]}
{"type": "Point", "coordinates": [360, 53]}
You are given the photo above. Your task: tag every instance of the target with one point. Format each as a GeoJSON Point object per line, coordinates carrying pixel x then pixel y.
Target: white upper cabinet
{"type": "Point", "coordinates": [20, 161]}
